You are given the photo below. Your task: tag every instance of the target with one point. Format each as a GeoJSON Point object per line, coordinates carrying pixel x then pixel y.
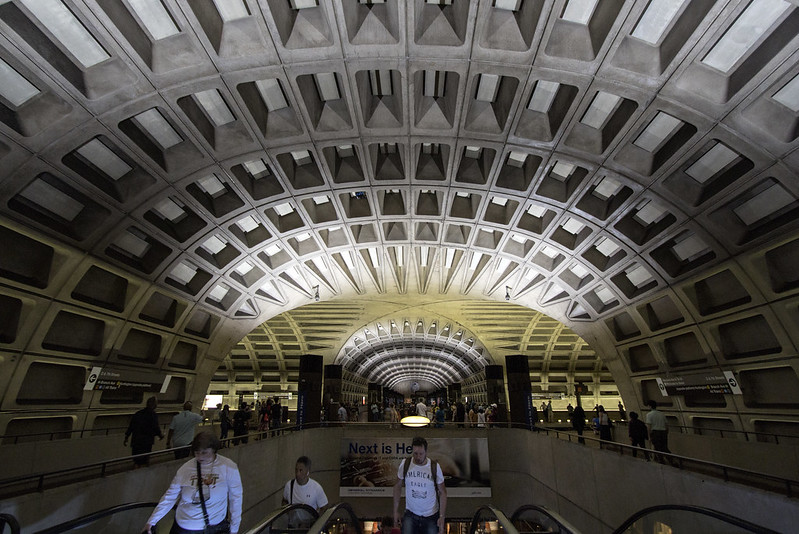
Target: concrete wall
{"type": "Point", "coordinates": [596, 490]}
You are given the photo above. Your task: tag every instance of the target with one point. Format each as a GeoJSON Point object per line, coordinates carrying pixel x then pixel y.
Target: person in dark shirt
{"type": "Point", "coordinates": [638, 434]}
{"type": "Point", "coordinates": [241, 424]}
{"type": "Point", "coordinates": [578, 423]}
{"type": "Point", "coordinates": [143, 427]}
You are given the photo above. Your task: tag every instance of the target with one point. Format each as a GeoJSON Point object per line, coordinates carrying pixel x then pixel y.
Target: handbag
{"type": "Point", "coordinates": [223, 527]}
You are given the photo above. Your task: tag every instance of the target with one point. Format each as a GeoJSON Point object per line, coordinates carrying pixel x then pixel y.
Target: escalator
{"type": "Point", "coordinates": [487, 519]}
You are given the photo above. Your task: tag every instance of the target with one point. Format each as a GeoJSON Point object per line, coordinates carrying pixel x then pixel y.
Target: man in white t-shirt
{"type": "Point", "coordinates": [421, 408]}
{"type": "Point", "coordinates": [181, 430]}
{"type": "Point", "coordinates": [302, 489]}
{"type": "Point", "coordinates": [343, 416]}
{"type": "Point", "coordinates": [425, 507]}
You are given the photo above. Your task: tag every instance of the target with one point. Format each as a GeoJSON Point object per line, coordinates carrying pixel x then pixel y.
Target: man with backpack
{"type": "Point", "coordinates": [425, 493]}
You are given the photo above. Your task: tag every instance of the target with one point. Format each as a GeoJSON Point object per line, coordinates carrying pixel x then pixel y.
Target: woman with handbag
{"type": "Point", "coordinates": [207, 490]}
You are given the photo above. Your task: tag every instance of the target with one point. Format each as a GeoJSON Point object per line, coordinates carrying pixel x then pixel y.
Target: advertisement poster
{"type": "Point", "coordinates": [369, 465]}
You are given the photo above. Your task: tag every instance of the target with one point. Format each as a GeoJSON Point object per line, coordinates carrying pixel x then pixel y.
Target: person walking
{"type": "Point", "coordinates": [578, 423]}
{"type": "Point", "coordinates": [425, 493]}
{"type": "Point", "coordinates": [636, 429]}
{"type": "Point", "coordinates": [302, 489]}
{"type": "Point", "coordinates": [207, 490]}
{"type": "Point", "coordinates": [181, 430]}
{"type": "Point", "coordinates": [143, 428]}
{"type": "Point", "coordinates": [658, 431]}
{"type": "Point", "coordinates": [224, 423]}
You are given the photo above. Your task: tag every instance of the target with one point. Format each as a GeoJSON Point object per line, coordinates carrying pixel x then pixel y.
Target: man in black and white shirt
{"type": "Point", "coordinates": [425, 493]}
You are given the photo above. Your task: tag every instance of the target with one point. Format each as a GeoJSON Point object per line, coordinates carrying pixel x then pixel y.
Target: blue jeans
{"type": "Point", "coordinates": [417, 524]}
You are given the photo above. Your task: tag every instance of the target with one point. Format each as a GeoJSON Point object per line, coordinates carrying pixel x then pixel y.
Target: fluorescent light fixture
{"type": "Point", "coordinates": [346, 256]}
{"type": "Point", "coordinates": [345, 151]}
{"type": "Point", "coordinates": [463, 194]}
{"type": "Point", "coordinates": [607, 247]}
{"type": "Point", "coordinates": [272, 94]}
{"type": "Point", "coordinates": [303, 236]}
{"type": "Point", "coordinates": [579, 11]}
{"type": "Point", "coordinates": [155, 17]}
{"type": "Point", "coordinates": [763, 204]}
{"type": "Point", "coordinates": [788, 96]}
{"type": "Point", "coordinates": [711, 163]}
{"type": "Point", "coordinates": [322, 199]}
{"type": "Point", "coordinates": [747, 30]}
{"type": "Point", "coordinates": [689, 247]}
{"type": "Point", "coordinates": [211, 185]}
{"type": "Point", "coordinates": [387, 148]}
{"type": "Point", "coordinates": [499, 201]}
{"type": "Point", "coordinates": [543, 96]}
{"type": "Point", "coordinates": [68, 30]}
{"type": "Point", "coordinates": [256, 168]}
{"type": "Point", "coordinates": [52, 199]}
{"type": "Point", "coordinates": [231, 9]}
{"type": "Point", "coordinates": [104, 159]}
{"type": "Point", "coordinates": [327, 85]}
{"type": "Point", "coordinates": [398, 251]}
{"type": "Point", "coordinates": [518, 238]}
{"type": "Point", "coordinates": [247, 224]}
{"type": "Point", "coordinates": [487, 87]}
{"type": "Point", "coordinates": [658, 131]}
{"type": "Point", "coordinates": [152, 122]}
{"type": "Point", "coordinates": [607, 188]}
{"type": "Point", "coordinates": [303, 4]}
{"type": "Point", "coordinates": [183, 272]}
{"type": "Point", "coordinates": [600, 109]}
{"type": "Point", "coordinates": [14, 87]}
{"type": "Point", "coordinates": [215, 106]}
{"type": "Point", "coordinates": [656, 18]}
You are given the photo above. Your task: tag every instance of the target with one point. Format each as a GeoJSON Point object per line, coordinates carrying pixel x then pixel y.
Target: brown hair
{"type": "Point", "coordinates": [205, 440]}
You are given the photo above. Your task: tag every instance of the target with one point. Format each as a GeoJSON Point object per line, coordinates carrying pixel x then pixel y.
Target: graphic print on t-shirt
{"type": "Point", "coordinates": [418, 494]}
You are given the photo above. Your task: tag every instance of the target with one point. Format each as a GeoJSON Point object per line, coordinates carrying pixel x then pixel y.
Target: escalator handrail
{"type": "Point", "coordinates": [751, 527]}
{"type": "Point", "coordinates": [94, 516]}
{"type": "Point", "coordinates": [265, 522]}
{"type": "Point", "coordinates": [562, 522]}
{"type": "Point", "coordinates": [503, 520]}
{"type": "Point", "coordinates": [11, 521]}
{"type": "Point", "coordinates": [321, 523]}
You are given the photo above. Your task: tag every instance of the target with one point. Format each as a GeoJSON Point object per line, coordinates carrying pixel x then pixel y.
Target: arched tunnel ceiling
{"type": "Point", "coordinates": [175, 175]}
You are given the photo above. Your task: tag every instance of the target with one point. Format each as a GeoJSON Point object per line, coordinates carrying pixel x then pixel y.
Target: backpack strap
{"type": "Point", "coordinates": [291, 493]}
{"type": "Point", "coordinates": [433, 471]}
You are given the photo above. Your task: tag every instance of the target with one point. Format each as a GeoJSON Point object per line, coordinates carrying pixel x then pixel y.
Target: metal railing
{"type": "Point", "coordinates": [533, 518]}
{"type": "Point", "coordinates": [280, 521]}
{"type": "Point", "coordinates": [96, 516]}
{"type": "Point", "coordinates": [748, 435]}
{"type": "Point", "coordinates": [728, 473]}
{"type": "Point", "coordinates": [685, 518]}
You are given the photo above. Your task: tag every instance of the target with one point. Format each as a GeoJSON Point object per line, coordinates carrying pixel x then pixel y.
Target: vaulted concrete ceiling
{"type": "Point", "coordinates": [177, 172]}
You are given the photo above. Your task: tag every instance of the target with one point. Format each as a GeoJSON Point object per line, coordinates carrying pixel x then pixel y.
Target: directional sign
{"type": "Point", "coordinates": [103, 378]}
{"type": "Point", "coordinates": [710, 383]}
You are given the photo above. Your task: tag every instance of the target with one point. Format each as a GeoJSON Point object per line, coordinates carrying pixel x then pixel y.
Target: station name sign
{"type": "Point", "coordinates": [107, 378]}
{"type": "Point", "coordinates": [712, 383]}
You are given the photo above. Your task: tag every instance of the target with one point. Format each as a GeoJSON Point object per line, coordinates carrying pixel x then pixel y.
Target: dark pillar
{"type": "Point", "coordinates": [332, 391]}
{"type": "Point", "coordinates": [454, 393]}
{"type": "Point", "coordinates": [309, 390]}
{"type": "Point", "coordinates": [495, 390]}
{"type": "Point", "coordinates": [519, 390]}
